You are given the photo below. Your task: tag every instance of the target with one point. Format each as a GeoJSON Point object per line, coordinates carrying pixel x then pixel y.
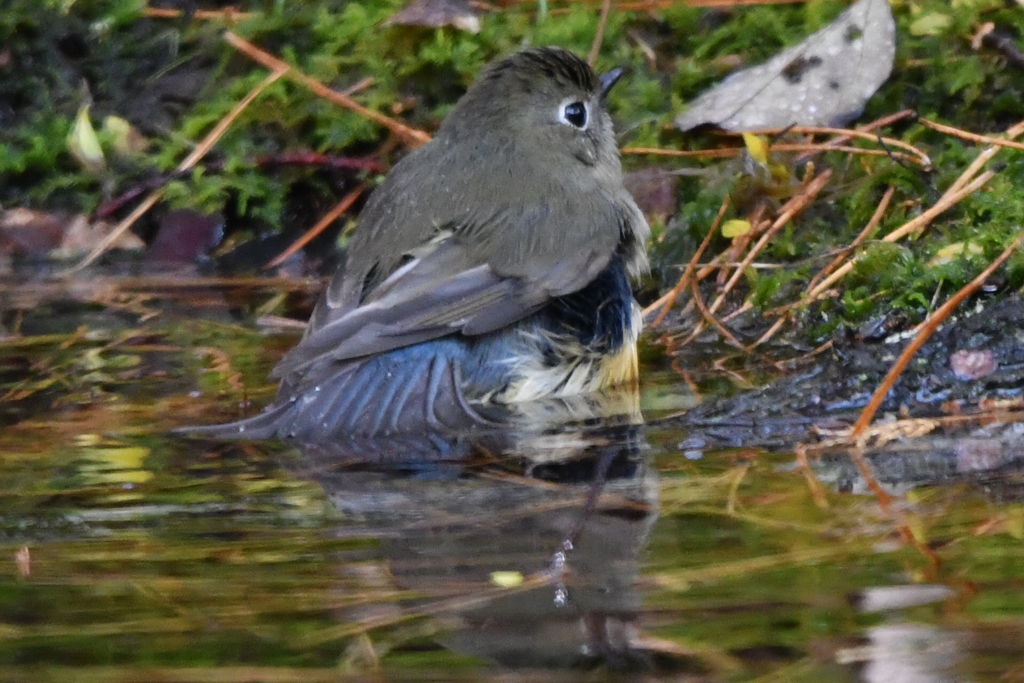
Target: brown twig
{"type": "Point", "coordinates": [698, 153]}
{"type": "Point", "coordinates": [710, 318]}
{"type": "Point", "coordinates": [669, 299]}
{"type": "Point", "coordinates": [812, 288]}
{"type": "Point", "coordinates": [602, 22]}
{"type": "Point", "coordinates": [719, 153]}
{"type": "Point", "coordinates": [846, 134]}
{"type": "Point", "coordinates": [868, 127]}
{"type": "Point", "coordinates": [341, 207]}
{"type": "Point", "coordinates": [927, 329]}
{"type": "Point", "coordinates": [794, 206]}
{"type": "Point", "coordinates": [646, 5]}
{"type": "Point", "coordinates": [973, 137]}
{"type": "Point", "coordinates": [228, 14]}
{"type": "Point", "coordinates": [842, 135]}
{"type": "Point", "coordinates": [881, 495]}
{"type": "Point", "coordinates": [198, 153]}
{"type": "Point", "coordinates": [948, 200]}
{"type": "Point", "coordinates": [864, 234]}
{"type": "Point", "coordinates": [409, 135]}
{"type": "Point", "coordinates": [814, 486]}
{"type": "Point", "coordinates": [734, 254]}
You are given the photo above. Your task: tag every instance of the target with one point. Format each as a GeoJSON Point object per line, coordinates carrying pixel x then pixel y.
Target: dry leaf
{"type": "Point", "coordinates": [825, 80]}
{"type": "Point", "coordinates": [654, 191]}
{"type": "Point", "coordinates": [124, 138]}
{"type": "Point", "coordinates": [26, 231]}
{"type": "Point", "coordinates": [81, 236]}
{"type": "Point", "coordinates": [438, 13]}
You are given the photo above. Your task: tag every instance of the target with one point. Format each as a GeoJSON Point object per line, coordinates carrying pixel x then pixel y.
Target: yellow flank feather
{"type": "Point", "coordinates": [621, 368]}
{"type": "Point", "coordinates": [580, 371]}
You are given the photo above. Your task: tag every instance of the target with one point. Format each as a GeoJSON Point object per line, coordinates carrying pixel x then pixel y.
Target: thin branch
{"type": "Point", "coordinates": [669, 299]}
{"type": "Point", "coordinates": [341, 207]}
{"type": "Point", "coordinates": [409, 135]}
{"type": "Point", "coordinates": [198, 153]}
{"type": "Point", "coordinates": [792, 208]}
{"type": "Point", "coordinates": [927, 329]}
{"type": "Point", "coordinates": [973, 137]}
{"type": "Point", "coordinates": [602, 22]}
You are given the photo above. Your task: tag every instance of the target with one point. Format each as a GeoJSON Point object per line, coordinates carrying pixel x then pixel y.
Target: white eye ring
{"type": "Point", "coordinates": [574, 113]}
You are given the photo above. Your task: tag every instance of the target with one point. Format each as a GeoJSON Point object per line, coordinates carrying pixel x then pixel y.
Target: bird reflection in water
{"type": "Point", "coordinates": [558, 492]}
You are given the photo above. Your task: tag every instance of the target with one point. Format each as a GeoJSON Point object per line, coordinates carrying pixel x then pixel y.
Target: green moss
{"type": "Point", "coordinates": [174, 79]}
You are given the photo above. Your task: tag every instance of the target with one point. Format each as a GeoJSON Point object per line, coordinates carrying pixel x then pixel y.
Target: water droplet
{"type": "Point", "coordinates": [558, 561]}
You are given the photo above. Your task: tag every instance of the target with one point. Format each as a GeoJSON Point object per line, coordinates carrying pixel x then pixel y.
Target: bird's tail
{"type": "Point", "coordinates": [262, 426]}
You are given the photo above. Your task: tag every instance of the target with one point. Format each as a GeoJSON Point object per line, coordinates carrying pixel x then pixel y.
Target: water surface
{"type": "Point", "coordinates": [130, 555]}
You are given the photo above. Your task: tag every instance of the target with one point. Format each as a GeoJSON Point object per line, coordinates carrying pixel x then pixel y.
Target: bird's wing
{"type": "Point", "coordinates": [444, 289]}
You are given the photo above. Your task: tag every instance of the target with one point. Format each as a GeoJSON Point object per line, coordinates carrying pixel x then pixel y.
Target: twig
{"type": "Point", "coordinates": [734, 253]}
{"type": "Point", "coordinates": [791, 208]}
{"type": "Point", "coordinates": [847, 133]}
{"type": "Point", "coordinates": [869, 228]}
{"type": "Point", "coordinates": [973, 137]}
{"type": "Point", "coordinates": [883, 498]}
{"type": "Point", "coordinates": [645, 5]}
{"type": "Point", "coordinates": [411, 136]}
{"type": "Point", "coordinates": [602, 22]}
{"type": "Point", "coordinates": [924, 161]}
{"type": "Point", "coordinates": [198, 153]}
{"type": "Point", "coordinates": [710, 317]}
{"type": "Point", "coordinates": [927, 329]}
{"type": "Point", "coordinates": [669, 299]}
{"type": "Point", "coordinates": [916, 224]}
{"type": "Point", "coordinates": [945, 202]}
{"type": "Point", "coordinates": [868, 127]}
{"type": "Point", "coordinates": [698, 153]}
{"type": "Point", "coordinates": [228, 14]}
{"type": "Point", "coordinates": [341, 207]}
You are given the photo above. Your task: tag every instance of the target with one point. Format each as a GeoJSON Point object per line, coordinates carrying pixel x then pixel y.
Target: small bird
{"type": "Point", "coordinates": [491, 267]}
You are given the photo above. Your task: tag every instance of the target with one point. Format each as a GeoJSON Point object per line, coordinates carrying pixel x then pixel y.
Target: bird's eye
{"type": "Point", "coordinates": [575, 113]}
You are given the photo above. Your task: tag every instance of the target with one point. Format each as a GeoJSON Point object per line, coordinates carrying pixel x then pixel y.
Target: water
{"type": "Point", "coordinates": [128, 555]}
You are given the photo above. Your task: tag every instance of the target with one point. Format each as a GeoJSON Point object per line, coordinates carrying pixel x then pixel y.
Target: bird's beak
{"type": "Point", "coordinates": [608, 79]}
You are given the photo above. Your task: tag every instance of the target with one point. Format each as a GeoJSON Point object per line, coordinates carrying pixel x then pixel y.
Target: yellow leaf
{"type": "Point", "coordinates": [735, 227]}
{"type": "Point", "coordinates": [127, 458]}
{"type": "Point", "coordinates": [125, 140]}
{"type": "Point", "coordinates": [949, 253]}
{"type": "Point", "coordinates": [757, 147]}
{"type": "Point", "coordinates": [115, 465]}
{"type": "Point", "coordinates": [83, 143]}
{"type": "Point", "coordinates": [507, 579]}
{"type": "Point", "coordinates": [931, 24]}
